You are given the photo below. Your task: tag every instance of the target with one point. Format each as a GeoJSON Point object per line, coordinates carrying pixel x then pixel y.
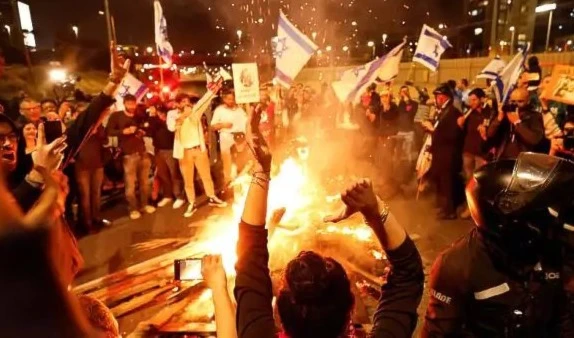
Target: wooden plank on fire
{"type": "Point", "coordinates": [137, 269]}
{"type": "Point", "coordinates": [123, 286]}
{"type": "Point", "coordinates": [139, 301]}
{"type": "Point", "coordinates": [130, 291]}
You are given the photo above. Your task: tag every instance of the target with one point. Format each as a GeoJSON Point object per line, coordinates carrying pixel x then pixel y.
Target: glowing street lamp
{"type": "Point", "coordinates": [239, 34]}
{"type": "Point", "coordinates": [226, 47]}
{"type": "Point", "coordinates": [8, 29]}
{"type": "Point", "coordinates": [329, 48]}
{"type": "Point", "coordinates": [76, 30]}
{"type": "Point", "coordinates": [543, 9]}
{"type": "Point", "coordinates": [149, 50]}
{"type": "Point", "coordinates": [314, 35]}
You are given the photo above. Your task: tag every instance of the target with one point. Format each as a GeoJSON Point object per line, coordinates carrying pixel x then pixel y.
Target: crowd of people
{"type": "Point", "coordinates": [510, 276]}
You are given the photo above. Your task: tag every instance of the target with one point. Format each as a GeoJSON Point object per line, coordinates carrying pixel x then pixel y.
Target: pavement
{"type": "Point", "coordinates": [128, 242]}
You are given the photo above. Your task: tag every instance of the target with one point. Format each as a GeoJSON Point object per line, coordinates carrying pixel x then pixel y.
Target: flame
{"type": "Point", "coordinates": [291, 188]}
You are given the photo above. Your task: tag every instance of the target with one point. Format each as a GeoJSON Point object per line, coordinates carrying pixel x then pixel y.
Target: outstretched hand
{"type": "Point", "coordinates": [119, 66]}
{"type": "Point", "coordinates": [213, 272]}
{"type": "Point", "coordinates": [257, 143]}
{"type": "Point", "coordinates": [359, 197]}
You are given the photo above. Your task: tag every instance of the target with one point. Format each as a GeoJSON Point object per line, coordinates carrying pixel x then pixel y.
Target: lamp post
{"type": "Point", "coordinates": [513, 31]}
{"type": "Point", "coordinates": [108, 20]}
{"type": "Point", "coordinates": [372, 45]}
{"type": "Point", "coordinates": [8, 29]}
{"type": "Point", "coordinates": [346, 50]}
{"type": "Point", "coordinates": [76, 31]}
{"type": "Point", "coordinates": [239, 35]}
{"type": "Point", "coordinates": [543, 9]}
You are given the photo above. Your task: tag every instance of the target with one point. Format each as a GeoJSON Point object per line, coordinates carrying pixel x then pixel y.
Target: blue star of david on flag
{"type": "Point", "coordinates": [125, 90]}
{"type": "Point", "coordinates": [279, 47]}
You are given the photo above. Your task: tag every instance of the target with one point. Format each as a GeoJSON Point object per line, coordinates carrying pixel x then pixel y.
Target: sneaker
{"type": "Point", "coordinates": [216, 202]}
{"type": "Point", "coordinates": [135, 215]}
{"type": "Point", "coordinates": [178, 203]}
{"type": "Point", "coordinates": [149, 209]}
{"type": "Point", "coordinates": [191, 209]}
{"type": "Point", "coordinates": [164, 202]}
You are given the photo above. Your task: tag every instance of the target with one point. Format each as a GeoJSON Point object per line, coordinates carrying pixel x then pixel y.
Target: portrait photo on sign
{"type": "Point", "coordinates": [561, 87]}
{"type": "Point", "coordinates": [246, 82]}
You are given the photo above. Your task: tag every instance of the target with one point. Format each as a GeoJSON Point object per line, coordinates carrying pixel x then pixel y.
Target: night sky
{"type": "Point", "coordinates": [206, 25]}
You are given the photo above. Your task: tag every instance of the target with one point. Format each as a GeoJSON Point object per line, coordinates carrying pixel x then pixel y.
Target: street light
{"type": "Point", "coordinates": [149, 50]}
{"type": "Point", "coordinates": [513, 31]}
{"type": "Point", "coordinates": [372, 45]}
{"type": "Point", "coordinates": [329, 48]}
{"type": "Point", "coordinates": [314, 35]}
{"type": "Point", "coordinates": [543, 9]}
{"type": "Point", "coordinates": [76, 30]}
{"type": "Point", "coordinates": [239, 34]}
{"type": "Point", "coordinates": [8, 29]}
{"type": "Point", "coordinates": [385, 36]}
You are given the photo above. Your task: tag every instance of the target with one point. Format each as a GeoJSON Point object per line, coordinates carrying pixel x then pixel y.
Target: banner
{"type": "Point", "coordinates": [561, 86]}
{"type": "Point", "coordinates": [246, 82]}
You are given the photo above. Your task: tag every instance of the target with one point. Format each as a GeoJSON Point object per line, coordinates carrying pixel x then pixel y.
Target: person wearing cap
{"type": "Point", "coordinates": [446, 152]}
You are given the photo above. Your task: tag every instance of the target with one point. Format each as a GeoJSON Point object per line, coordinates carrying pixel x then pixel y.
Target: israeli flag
{"type": "Point", "coordinates": [130, 85]}
{"type": "Point", "coordinates": [492, 69]}
{"type": "Point", "coordinates": [506, 81]}
{"type": "Point", "coordinates": [164, 48]}
{"type": "Point", "coordinates": [355, 81]}
{"type": "Point", "coordinates": [430, 48]}
{"type": "Point", "coordinates": [292, 50]}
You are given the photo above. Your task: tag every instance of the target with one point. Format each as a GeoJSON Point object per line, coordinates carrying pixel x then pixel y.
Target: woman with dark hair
{"type": "Point", "coordinates": [316, 299]}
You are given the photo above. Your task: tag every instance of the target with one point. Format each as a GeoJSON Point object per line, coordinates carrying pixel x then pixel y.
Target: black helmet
{"type": "Point", "coordinates": [516, 202]}
{"type": "Point", "coordinates": [444, 89]}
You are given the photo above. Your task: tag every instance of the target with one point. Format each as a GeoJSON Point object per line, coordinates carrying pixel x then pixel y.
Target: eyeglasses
{"type": "Point", "coordinates": [32, 108]}
{"type": "Point", "coordinates": [12, 138]}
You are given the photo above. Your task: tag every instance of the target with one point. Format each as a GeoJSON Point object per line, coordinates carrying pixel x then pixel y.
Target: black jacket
{"type": "Point", "coordinates": [396, 314]}
{"type": "Point", "coordinates": [447, 141]}
{"type": "Point", "coordinates": [473, 293]}
{"type": "Point", "coordinates": [511, 140]}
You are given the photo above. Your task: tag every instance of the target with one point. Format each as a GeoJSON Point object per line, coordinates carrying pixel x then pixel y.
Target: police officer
{"type": "Point", "coordinates": [503, 279]}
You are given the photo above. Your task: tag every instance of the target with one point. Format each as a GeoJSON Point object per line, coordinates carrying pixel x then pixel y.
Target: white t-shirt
{"type": "Point", "coordinates": [237, 117]}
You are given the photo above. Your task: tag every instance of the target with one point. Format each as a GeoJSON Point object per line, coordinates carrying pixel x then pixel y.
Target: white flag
{"type": "Point", "coordinates": [292, 50]}
{"type": "Point", "coordinates": [355, 81]}
{"type": "Point", "coordinates": [164, 48]}
{"type": "Point", "coordinates": [492, 69]}
{"type": "Point", "coordinates": [508, 77]}
{"type": "Point", "coordinates": [430, 48]}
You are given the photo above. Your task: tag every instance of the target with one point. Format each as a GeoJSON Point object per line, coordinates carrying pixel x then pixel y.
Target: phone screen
{"type": "Point", "coordinates": [188, 269]}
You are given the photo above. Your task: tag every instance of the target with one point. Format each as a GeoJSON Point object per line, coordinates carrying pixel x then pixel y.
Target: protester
{"type": "Point", "coordinates": [474, 124]}
{"type": "Point", "coordinates": [190, 149]}
{"type": "Point", "coordinates": [306, 304]}
{"type": "Point", "coordinates": [48, 106]}
{"type": "Point", "coordinates": [446, 152]}
{"type": "Point", "coordinates": [462, 91]}
{"type": "Point", "coordinates": [167, 167]}
{"type": "Point", "coordinates": [30, 112]}
{"type": "Point", "coordinates": [406, 122]}
{"type": "Point", "coordinates": [517, 128]}
{"type": "Point", "coordinates": [89, 173]}
{"type": "Point", "coordinates": [227, 119]}
{"type": "Point", "coordinates": [136, 162]}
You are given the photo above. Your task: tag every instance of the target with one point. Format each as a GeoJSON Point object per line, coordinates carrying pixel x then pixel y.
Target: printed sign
{"type": "Point", "coordinates": [246, 82]}
{"type": "Point", "coordinates": [561, 86]}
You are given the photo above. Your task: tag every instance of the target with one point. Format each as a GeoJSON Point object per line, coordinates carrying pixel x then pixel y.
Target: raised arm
{"type": "Point", "coordinates": [396, 314]}
{"type": "Point", "coordinates": [253, 289]}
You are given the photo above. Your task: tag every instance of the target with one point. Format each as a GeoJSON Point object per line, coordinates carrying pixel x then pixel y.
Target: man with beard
{"type": "Point", "coordinates": [517, 128]}
{"type": "Point", "coordinates": [446, 152]}
{"type": "Point", "coordinates": [136, 162]}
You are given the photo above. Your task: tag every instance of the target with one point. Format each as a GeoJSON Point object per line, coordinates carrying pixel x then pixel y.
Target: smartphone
{"type": "Point", "coordinates": [53, 130]}
{"type": "Point", "coordinates": [188, 269]}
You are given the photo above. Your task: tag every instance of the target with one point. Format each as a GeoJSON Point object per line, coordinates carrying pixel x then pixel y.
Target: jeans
{"type": "Point", "coordinates": [168, 174]}
{"type": "Point", "coordinates": [195, 158]}
{"type": "Point", "coordinates": [90, 187]}
{"type": "Point", "coordinates": [470, 163]}
{"type": "Point", "coordinates": [136, 171]}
